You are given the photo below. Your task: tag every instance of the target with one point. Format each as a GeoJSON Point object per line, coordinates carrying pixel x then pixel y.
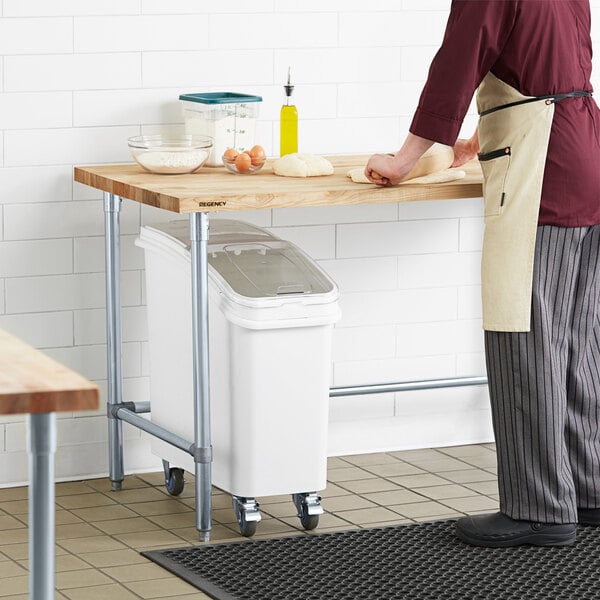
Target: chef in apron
{"type": "Point", "coordinates": [538, 143]}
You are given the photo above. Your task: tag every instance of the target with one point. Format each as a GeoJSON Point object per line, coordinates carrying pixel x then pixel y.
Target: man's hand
{"type": "Point", "coordinates": [465, 150]}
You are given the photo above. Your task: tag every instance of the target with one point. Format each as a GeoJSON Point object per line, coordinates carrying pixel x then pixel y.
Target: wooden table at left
{"type": "Point", "coordinates": [34, 384]}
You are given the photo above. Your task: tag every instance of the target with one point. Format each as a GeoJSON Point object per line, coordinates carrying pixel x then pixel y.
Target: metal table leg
{"type": "Point", "coordinates": [112, 207]}
{"type": "Point", "coordinates": [42, 447]}
{"type": "Point", "coordinates": [202, 441]}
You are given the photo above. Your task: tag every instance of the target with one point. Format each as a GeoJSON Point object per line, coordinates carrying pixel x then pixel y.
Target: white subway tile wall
{"type": "Point", "coordinates": [77, 77]}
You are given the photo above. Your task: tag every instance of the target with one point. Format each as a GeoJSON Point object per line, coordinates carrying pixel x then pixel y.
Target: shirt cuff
{"type": "Point", "coordinates": [437, 128]}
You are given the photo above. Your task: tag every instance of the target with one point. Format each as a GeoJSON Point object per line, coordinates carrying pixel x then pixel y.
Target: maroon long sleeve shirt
{"type": "Point", "coordinates": [539, 47]}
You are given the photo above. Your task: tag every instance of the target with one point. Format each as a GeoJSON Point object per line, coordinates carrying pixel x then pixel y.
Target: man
{"type": "Point", "coordinates": [539, 145]}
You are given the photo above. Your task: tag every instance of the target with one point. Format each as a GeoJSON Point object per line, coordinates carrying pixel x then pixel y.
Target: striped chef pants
{"type": "Point", "coordinates": [545, 385]}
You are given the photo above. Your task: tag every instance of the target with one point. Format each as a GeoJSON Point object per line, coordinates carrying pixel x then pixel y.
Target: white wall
{"type": "Point", "coordinates": [79, 76]}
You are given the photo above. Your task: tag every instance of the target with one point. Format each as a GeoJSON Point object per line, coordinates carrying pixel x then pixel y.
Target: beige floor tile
{"type": "Point", "coordinates": [134, 525]}
{"type": "Point", "coordinates": [472, 503]}
{"type": "Point", "coordinates": [326, 521]}
{"type": "Point", "coordinates": [15, 507]}
{"type": "Point", "coordinates": [112, 591]}
{"type": "Point", "coordinates": [466, 452]}
{"type": "Point", "coordinates": [104, 484]}
{"type": "Point", "coordinates": [369, 485]}
{"type": "Point", "coordinates": [157, 478]}
{"type": "Point", "coordinates": [15, 493]}
{"type": "Point", "coordinates": [487, 488]}
{"type": "Point", "coordinates": [272, 526]}
{"type": "Point", "coordinates": [415, 510]}
{"type": "Point", "coordinates": [448, 517]}
{"type": "Point", "coordinates": [221, 501]}
{"type": "Point", "coordinates": [334, 462]}
{"type": "Point", "coordinates": [71, 488]}
{"type": "Point", "coordinates": [113, 558]}
{"type": "Point", "coordinates": [348, 474]}
{"type": "Point", "coordinates": [483, 461]}
{"type": "Point", "coordinates": [418, 481]}
{"type": "Point", "coordinates": [15, 551]}
{"type": "Point", "coordinates": [148, 539]}
{"type": "Point", "coordinates": [8, 568]}
{"type": "Point", "coordinates": [368, 516]}
{"type": "Point", "coordinates": [141, 572]}
{"type": "Point", "coordinates": [352, 502]}
{"type": "Point", "coordinates": [63, 517]}
{"type": "Point", "coordinates": [469, 476]}
{"type": "Point", "coordinates": [187, 519]}
{"type": "Point", "coordinates": [16, 597]}
{"type": "Point", "coordinates": [281, 510]}
{"type": "Point", "coordinates": [145, 494]}
{"type": "Point", "coordinates": [160, 507]}
{"type": "Point", "coordinates": [394, 469]}
{"type": "Point", "coordinates": [104, 513]}
{"type": "Point", "coordinates": [98, 543]}
{"type": "Point", "coordinates": [161, 588]}
{"type": "Point", "coordinates": [14, 536]}
{"type": "Point", "coordinates": [198, 595]}
{"type": "Point", "coordinates": [68, 562]}
{"type": "Point", "coordinates": [84, 500]}
{"type": "Point", "coordinates": [440, 465]}
{"type": "Point", "coordinates": [14, 585]}
{"type": "Point", "coordinates": [217, 533]}
{"type": "Point", "coordinates": [8, 522]}
{"type": "Point", "coordinates": [81, 578]}
{"type": "Point", "coordinates": [397, 496]}
{"type": "Point", "coordinates": [427, 454]}
{"type": "Point", "coordinates": [440, 492]}
{"type": "Point", "coordinates": [333, 490]}
{"type": "Point", "coordinates": [364, 460]}
{"type": "Point", "coordinates": [226, 515]}
{"type": "Point", "coordinates": [63, 562]}
{"type": "Point", "coordinates": [77, 530]}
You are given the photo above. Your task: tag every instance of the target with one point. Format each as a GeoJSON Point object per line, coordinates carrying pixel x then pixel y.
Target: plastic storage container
{"type": "Point", "coordinates": [271, 315]}
{"type": "Point", "coordinates": [228, 117]}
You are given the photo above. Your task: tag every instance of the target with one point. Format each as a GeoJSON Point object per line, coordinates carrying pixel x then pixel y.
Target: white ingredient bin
{"type": "Point", "coordinates": [271, 316]}
{"type": "Point", "coordinates": [227, 117]}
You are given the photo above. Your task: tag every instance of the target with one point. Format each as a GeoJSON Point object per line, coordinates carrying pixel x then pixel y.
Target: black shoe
{"type": "Point", "coordinates": [588, 516]}
{"type": "Point", "coordinates": [498, 530]}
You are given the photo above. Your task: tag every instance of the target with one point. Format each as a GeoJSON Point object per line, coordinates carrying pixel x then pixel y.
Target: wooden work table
{"type": "Point", "coordinates": [34, 384]}
{"type": "Point", "coordinates": [199, 194]}
{"type": "Point", "coordinates": [214, 189]}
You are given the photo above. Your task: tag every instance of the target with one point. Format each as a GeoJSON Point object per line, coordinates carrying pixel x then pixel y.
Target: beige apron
{"type": "Point", "coordinates": [513, 148]}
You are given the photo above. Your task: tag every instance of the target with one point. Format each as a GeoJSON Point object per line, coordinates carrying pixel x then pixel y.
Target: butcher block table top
{"type": "Point", "coordinates": [214, 189]}
{"type": "Point", "coordinates": [31, 382]}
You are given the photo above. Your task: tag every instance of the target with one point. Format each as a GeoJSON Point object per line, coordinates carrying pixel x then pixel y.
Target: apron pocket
{"type": "Point", "coordinates": [495, 166]}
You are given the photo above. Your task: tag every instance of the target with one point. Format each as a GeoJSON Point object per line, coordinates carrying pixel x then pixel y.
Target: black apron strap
{"type": "Point", "coordinates": [551, 99]}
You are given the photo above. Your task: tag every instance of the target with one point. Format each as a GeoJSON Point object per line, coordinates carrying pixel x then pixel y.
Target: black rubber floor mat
{"type": "Point", "coordinates": [409, 562]}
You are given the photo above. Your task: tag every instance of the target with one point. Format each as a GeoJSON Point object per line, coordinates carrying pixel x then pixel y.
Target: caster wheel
{"type": "Point", "coordinates": [247, 528]}
{"type": "Point", "coordinates": [175, 482]}
{"type": "Point", "coordinates": [308, 521]}
{"type": "Point", "coordinates": [308, 505]}
{"type": "Point", "coordinates": [247, 515]}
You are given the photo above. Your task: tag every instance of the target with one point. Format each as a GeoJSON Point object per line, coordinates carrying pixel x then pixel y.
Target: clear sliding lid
{"type": "Point", "coordinates": [253, 262]}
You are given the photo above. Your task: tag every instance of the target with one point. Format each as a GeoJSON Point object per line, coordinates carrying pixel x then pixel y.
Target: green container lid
{"type": "Point", "coordinates": [220, 98]}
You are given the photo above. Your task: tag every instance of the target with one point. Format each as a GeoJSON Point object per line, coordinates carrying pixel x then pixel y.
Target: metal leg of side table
{"type": "Point", "coordinates": [42, 447]}
{"type": "Point", "coordinates": [202, 441]}
{"type": "Point", "coordinates": [112, 207]}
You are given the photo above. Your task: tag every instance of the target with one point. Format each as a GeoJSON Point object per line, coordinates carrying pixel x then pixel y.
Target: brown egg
{"type": "Point", "coordinates": [257, 154]}
{"type": "Point", "coordinates": [230, 154]}
{"type": "Point", "coordinates": [243, 162]}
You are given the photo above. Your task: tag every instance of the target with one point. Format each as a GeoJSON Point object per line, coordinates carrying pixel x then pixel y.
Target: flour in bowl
{"type": "Point", "coordinates": [165, 161]}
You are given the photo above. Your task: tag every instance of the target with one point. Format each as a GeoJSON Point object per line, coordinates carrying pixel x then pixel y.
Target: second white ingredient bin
{"type": "Point", "coordinates": [272, 311]}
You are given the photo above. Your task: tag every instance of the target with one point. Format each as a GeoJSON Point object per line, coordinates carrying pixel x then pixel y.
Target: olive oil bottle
{"type": "Point", "coordinates": [288, 123]}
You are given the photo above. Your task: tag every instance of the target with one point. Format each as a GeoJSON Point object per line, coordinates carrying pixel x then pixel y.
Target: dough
{"type": "Point", "coordinates": [438, 159]}
{"type": "Point", "coordinates": [358, 176]}
{"type": "Point", "coordinates": [300, 164]}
